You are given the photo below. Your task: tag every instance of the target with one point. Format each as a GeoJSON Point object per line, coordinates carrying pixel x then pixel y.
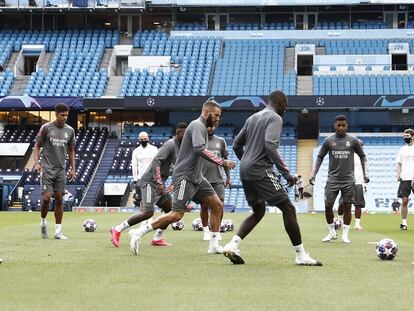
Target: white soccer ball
{"type": "Point", "coordinates": [229, 224]}
{"type": "Point", "coordinates": [386, 249]}
{"type": "Point", "coordinates": [223, 226]}
{"type": "Point", "coordinates": [197, 224]}
{"type": "Point", "coordinates": [89, 225]}
{"type": "Point", "coordinates": [178, 225]}
{"type": "Point", "coordinates": [338, 224]}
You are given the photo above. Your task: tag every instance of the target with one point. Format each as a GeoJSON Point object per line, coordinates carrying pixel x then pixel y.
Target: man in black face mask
{"type": "Point", "coordinates": [341, 177]}
{"type": "Point", "coordinates": [405, 173]}
{"type": "Point", "coordinates": [141, 159]}
{"type": "Point", "coordinates": [257, 147]}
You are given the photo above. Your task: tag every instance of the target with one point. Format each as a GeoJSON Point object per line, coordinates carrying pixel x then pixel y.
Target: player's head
{"type": "Point", "coordinates": [210, 130]}
{"type": "Point", "coordinates": [211, 111]}
{"type": "Point", "coordinates": [180, 130]}
{"type": "Point", "coordinates": [62, 113]}
{"type": "Point", "coordinates": [143, 139]}
{"type": "Point", "coordinates": [408, 136]}
{"type": "Point", "coordinates": [278, 101]}
{"type": "Point", "coordinates": [341, 125]}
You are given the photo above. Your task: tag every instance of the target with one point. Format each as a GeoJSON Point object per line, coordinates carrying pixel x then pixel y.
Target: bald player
{"type": "Point", "coordinates": [141, 159]}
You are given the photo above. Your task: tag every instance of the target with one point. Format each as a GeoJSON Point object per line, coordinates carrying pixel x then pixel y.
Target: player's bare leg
{"type": "Point", "coordinates": [158, 239]}
{"type": "Point", "coordinates": [43, 213]}
{"type": "Point", "coordinates": [204, 221]}
{"type": "Point", "coordinates": [358, 214]}
{"type": "Point", "coordinates": [347, 222]}
{"type": "Point", "coordinates": [59, 216]}
{"type": "Point", "coordinates": [404, 213]}
{"type": "Point", "coordinates": [216, 213]}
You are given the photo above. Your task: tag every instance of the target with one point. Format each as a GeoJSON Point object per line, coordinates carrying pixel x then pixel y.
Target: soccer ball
{"type": "Point", "coordinates": [337, 223]}
{"type": "Point", "coordinates": [197, 225]}
{"type": "Point", "coordinates": [229, 224]}
{"type": "Point", "coordinates": [223, 226]}
{"type": "Point", "coordinates": [89, 225]}
{"type": "Point", "coordinates": [387, 249]}
{"type": "Point", "coordinates": [178, 225]}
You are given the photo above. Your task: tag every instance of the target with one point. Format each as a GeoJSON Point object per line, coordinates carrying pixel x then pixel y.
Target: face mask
{"type": "Point", "coordinates": [407, 140]}
{"type": "Point", "coordinates": [143, 143]}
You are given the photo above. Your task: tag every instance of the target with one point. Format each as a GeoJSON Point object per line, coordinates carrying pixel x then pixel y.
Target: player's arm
{"type": "Point", "coordinates": [399, 165]}
{"type": "Point", "coordinates": [199, 146]}
{"type": "Point", "coordinates": [225, 156]}
{"type": "Point", "coordinates": [319, 159]}
{"type": "Point", "coordinates": [239, 142]}
{"type": "Point", "coordinates": [272, 141]}
{"type": "Point", "coordinates": [134, 165]}
{"type": "Point", "coordinates": [360, 152]}
{"type": "Point", "coordinates": [162, 155]}
{"type": "Point", "coordinates": [72, 162]}
{"type": "Point", "coordinates": [40, 139]}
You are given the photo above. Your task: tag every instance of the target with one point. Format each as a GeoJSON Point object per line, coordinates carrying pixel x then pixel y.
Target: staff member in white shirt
{"type": "Point", "coordinates": [405, 173]}
{"type": "Point", "coordinates": [141, 159]}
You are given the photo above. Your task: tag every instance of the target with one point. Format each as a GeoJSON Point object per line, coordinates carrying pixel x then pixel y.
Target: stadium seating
{"type": "Point", "coordinates": [74, 68]}
{"type": "Point", "coordinates": [16, 134]}
{"type": "Point", "coordinates": [6, 82]}
{"type": "Point", "coordinates": [192, 57]}
{"type": "Point", "coordinates": [252, 67]}
{"type": "Point", "coordinates": [190, 26]}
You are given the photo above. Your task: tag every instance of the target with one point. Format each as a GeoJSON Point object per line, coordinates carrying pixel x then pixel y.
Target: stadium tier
{"type": "Point", "coordinates": [252, 67]}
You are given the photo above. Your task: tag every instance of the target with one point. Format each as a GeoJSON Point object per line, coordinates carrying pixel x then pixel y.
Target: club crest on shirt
{"type": "Point", "coordinates": [348, 144]}
{"type": "Point", "coordinates": [217, 145]}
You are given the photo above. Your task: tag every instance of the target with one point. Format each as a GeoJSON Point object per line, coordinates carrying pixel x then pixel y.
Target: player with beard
{"type": "Point", "coordinates": [212, 173]}
{"type": "Point", "coordinates": [153, 190]}
{"type": "Point", "coordinates": [257, 147]}
{"type": "Point", "coordinates": [188, 180]}
{"type": "Point", "coordinates": [341, 178]}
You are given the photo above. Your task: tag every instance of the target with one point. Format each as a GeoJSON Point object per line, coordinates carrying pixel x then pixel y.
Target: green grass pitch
{"type": "Point", "coordinates": [87, 273]}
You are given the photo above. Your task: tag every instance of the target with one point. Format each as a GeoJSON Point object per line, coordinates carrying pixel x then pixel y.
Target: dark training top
{"type": "Point", "coordinates": [193, 149]}
{"type": "Point", "coordinates": [257, 145]}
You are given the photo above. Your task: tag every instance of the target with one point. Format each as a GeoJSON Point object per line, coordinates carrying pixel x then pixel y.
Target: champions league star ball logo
{"type": "Point", "coordinates": [320, 101]}
{"type": "Point", "coordinates": [20, 102]}
{"type": "Point", "coordinates": [150, 101]}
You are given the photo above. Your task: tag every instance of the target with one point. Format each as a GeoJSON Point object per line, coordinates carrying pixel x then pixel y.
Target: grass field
{"type": "Point", "coordinates": [87, 273]}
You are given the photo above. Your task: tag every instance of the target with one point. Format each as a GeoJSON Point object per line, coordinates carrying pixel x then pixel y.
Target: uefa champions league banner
{"type": "Point", "coordinates": [249, 102]}
{"type": "Point", "coordinates": [38, 103]}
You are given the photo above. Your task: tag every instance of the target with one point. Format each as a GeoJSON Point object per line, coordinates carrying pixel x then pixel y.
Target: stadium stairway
{"type": "Point", "coordinates": [289, 60]}
{"type": "Point", "coordinates": [304, 85]}
{"type": "Point", "coordinates": [101, 172]}
{"type": "Point", "coordinates": [114, 86]}
{"type": "Point", "coordinates": [19, 85]}
{"type": "Point", "coordinates": [304, 162]}
{"type": "Point", "coordinates": [12, 61]}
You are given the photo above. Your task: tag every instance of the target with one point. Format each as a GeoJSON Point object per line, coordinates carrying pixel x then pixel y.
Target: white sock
{"type": "Point", "coordinates": [143, 230]}
{"type": "Point", "coordinates": [357, 222]}
{"type": "Point", "coordinates": [158, 235]}
{"type": "Point", "coordinates": [331, 228]}
{"type": "Point", "coordinates": [404, 222]}
{"type": "Point", "coordinates": [300, 251]}
{"type": "Point", "coordinates": [58, 228]}
{"type": "Point", "coordinates": [235, 241]}
{"type": "Point", "coordinates": [341, 218]}
{"type": "Point", "coordinates": [43, 222]}
{"type": "Point", "coordinates": [206, 229]}
{"type": "Point", "coordinates": [214, 240]}
{"type": "Point", "coordinates": [122, 226]}
{"type": "Point", "coordinates": [345, 231]}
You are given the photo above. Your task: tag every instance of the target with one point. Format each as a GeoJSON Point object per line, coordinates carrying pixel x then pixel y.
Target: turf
{"type": "Point", "coordinates": [88, 273]}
